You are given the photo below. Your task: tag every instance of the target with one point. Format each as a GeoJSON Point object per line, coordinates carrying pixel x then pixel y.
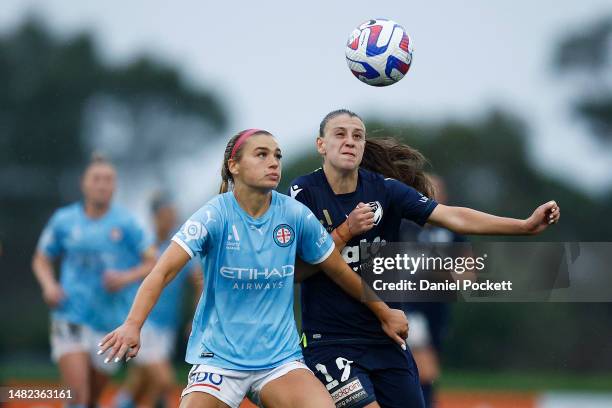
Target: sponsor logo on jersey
{"type": "Point", "coordinates": [351, 253]}
{"type": "Point", "coordinates": [322, 237]}
{"type": "Point", "coordinates": [377, 209]}
{"type": "Point", "coordinates": [283, 235]}
{"type": "Point", "coordinates": [295, 190]}
{"type": "Point", "coordinates": [230, 272]}
{"type": "Point", "coordinates": [233, 239]}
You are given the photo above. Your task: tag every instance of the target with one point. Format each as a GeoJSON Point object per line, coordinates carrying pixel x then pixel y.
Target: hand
{"type": "Point", "coordinates": [395, 325]}
{"type": "Point", "coordinates": [113, 280]}
{"type": "Point", "coordinates": [123, 341]}
{"type": "Point", "coordinates": [361, 219]}
{"type": "Point", "coordinates": [53, 295]}
{"type": "Point", "coordinates": [543, 216]}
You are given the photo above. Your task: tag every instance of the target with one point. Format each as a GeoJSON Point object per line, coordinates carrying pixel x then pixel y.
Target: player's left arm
{"type": "Point", "coordinates": [468, 221]}
{"type": "Point", "coordinates": [116, 280]}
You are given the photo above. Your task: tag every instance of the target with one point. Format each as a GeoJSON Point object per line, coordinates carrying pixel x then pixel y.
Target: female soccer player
{"type": "Point", "coordinates": [339, 332]}
{"type": "Point", "coordinates": [243, 336]}
{"type": "Point", "coordinates": [103, 253]}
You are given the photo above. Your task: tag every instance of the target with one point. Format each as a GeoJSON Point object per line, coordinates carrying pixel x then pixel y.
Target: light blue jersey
{"type": "Point", "coordinates": [88, 247]}
{"type": "Point", "coordinates": [166, 313]}
{"type": "Point", "coordinates": [244, 320]}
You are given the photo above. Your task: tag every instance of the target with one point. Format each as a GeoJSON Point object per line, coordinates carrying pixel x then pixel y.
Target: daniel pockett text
{"type": "Point", "coordinates": [455, 267]}
{"type": "Point", "coordinates": [486, 271]}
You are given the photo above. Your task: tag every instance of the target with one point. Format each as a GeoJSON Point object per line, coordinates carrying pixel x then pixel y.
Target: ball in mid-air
{"type": "Point", "coordinates": [379, 52]}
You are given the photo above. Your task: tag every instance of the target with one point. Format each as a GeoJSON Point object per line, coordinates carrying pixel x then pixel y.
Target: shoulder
{"type": "Point", "coordinates": [372, 178]}
{"type": "Point", "coordinates": [309, 180]}
{"type": "Point", "coordinates": [287, 203]}
{"type": "Point", "coordinates": [66, 213]}
{"type": "Point", "coordinates": [123, 215]}
{"type": "Point", "coordinates": [213, 211]}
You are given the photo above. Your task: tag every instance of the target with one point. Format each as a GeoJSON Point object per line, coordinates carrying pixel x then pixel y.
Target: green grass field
{"type": "Point", "coordinates": [451, 380]}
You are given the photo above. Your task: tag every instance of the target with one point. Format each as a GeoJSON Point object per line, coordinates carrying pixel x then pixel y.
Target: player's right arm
{"type": "Point", "coordinates": [125, 340]}
{"type": "Point", "coordinates": [194, 237]}
{"type": "Point", "coordinates": [49, 246]}
{"type": "Point", "coordinates": [52, 291]}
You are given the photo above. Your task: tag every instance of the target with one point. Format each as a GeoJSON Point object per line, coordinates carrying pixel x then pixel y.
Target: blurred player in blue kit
{"type": "Point", "coordinates": [429, 321]}
{"type": "Point", "coordinates": [342, 341]}
{"type": "Point", "coordinates": [104, 254]}
{"type": "Point", "coordinates": [151, 375]}
{"type": "Point", "coordinates": [243, 336]}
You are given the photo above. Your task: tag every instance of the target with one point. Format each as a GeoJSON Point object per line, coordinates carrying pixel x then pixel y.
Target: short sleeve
{"type": "Point", "coordinates": [50, 242]}
{"type": "Point", "coordinates": [411, 204]}
{"type": "Point", "coordinates": [315, 244]}
{"type": "Point", "coordinates": [196, 234]}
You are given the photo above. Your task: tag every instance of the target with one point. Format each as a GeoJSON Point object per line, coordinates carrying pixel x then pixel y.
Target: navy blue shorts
{"type": "Point", "coordinates": [359, 374]}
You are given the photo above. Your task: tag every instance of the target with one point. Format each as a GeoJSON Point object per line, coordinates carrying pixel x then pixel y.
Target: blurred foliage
{"type": "Point", "coordinates": [588, 54]}
{"type": "Point", "coordinates": [58, 102]}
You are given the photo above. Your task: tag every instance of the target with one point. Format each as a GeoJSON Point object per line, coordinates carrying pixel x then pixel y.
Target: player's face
{"type": "Point", "coordinates": [343, 142]}
{"type": "Point", "coordinates": [98, 184]}
{"type": "Point", "coordinates": [259, 166]}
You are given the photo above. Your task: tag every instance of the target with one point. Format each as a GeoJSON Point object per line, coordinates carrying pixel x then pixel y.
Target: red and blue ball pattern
{"type": "Point", "coordinates": [379, 52]}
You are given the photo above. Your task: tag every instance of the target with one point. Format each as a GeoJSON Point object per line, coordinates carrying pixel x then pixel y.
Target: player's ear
{"type": "Point", "coordinates": [233, 166]}
{"type": "Point", "coordinates": [320, 145]}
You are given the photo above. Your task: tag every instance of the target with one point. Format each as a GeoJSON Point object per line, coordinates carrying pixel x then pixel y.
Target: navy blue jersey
{"type": "Point", "coordinates": [328, 313]}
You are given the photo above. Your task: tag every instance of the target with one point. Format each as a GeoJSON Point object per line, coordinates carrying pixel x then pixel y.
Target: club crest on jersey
{"type": "Point", "coordinates": [116, 234]}
{"type": "Point", "coordinates": [376, 207]}
{"type": "Point", "coordinates": [283, 235]}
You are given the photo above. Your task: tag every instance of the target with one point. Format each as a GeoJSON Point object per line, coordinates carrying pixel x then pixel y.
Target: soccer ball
{"type": "Point", "coordinates": [379, 52]}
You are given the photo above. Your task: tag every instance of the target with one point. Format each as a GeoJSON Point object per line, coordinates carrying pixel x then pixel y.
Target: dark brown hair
{"type": "Point", "coordinates": [226, 175]}
{"type": "Point", "coordinates": [393, 159]}
{"type": "Point", "coordinates": [332, 115]}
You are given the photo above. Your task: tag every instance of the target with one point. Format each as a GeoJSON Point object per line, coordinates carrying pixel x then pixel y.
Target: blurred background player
{"type": "Point", "coordinates": [429, 321]}
{"type": "Point", "coordinates": [151, 376]}
{"type": "Point", "coordinates": [103, 253]}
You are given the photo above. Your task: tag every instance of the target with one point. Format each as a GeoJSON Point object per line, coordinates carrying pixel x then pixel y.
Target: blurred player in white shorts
{"type": "Point", "coordinates": [103, 252]}
{"type": "Point", "coordinates": [151, 375]}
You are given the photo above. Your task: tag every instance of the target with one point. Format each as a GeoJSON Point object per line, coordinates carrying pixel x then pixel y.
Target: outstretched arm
{"type": "Point", "coordinates": [393, 321]}
{"type": "Point", "coordinates": [125, 340]}
{"type": "Point", "coordinates": [467, 221]}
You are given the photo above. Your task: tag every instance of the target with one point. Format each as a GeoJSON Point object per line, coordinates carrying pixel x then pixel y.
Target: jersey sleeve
{"type": "Point", "coordinates": [411, 204]}
{"type": "Point", "coordinates": [50, 242]}
{"type": "Point", "coordinates": [315, 244]}
{"type": "Point", "coordinates": [197, 233]}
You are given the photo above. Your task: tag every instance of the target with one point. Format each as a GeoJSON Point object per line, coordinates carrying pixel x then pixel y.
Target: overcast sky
{"type": "Point", "coordinates": [280, 64]}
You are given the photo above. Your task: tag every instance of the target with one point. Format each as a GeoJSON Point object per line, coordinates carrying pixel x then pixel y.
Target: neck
{"type": "Point", "coordinates": [95, 210]}
{"type": "Point", "coordinates": [253, 201]}
{"type": "Point", "coordinates": [341, 182]}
